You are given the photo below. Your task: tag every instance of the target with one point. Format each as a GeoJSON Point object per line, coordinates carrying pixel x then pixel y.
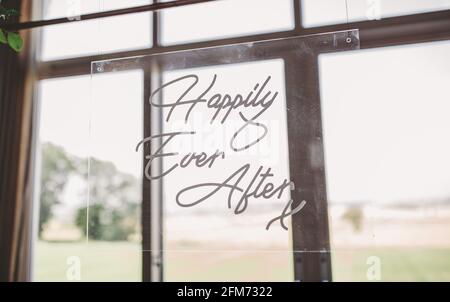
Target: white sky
{"type": "Point", "coordinates": [323, 12]}
{"type": "Point", "coordinates": [94, 36]}
{"type": "Point", "coordinates": [386, 123]}
{"type": "Point", "coordinates": [106, 124]}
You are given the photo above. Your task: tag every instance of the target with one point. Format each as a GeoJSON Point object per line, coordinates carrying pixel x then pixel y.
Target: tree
{"type": "Point", "coordinates": [355, 216]}
{"type": "Point", "coordinates": [113, 203]}
{"type": "Point", "coordinates": [57, 166]}
{"type": "Point", "coordinates": [104, 223]}
{"type": "Point", "coordinates": [113, 194]}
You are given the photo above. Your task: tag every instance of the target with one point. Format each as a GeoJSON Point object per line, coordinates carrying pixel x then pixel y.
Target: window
{"type": "Point", "coordinates": [356, 119]}
{"type": "Point", "coordinates": [208, 232]}
{"type": "Point", "coordinates": [63, 143]}
{"type": "Point", "coordinates": [114, 219]}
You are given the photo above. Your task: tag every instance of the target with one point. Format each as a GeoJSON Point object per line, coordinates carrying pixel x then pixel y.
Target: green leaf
{"type": "Point", "coordinates": [15, 41]}
{"type": "Point", "coordinates": [8, 12]}
{"type": "Point", "coordinates": [3, 38]}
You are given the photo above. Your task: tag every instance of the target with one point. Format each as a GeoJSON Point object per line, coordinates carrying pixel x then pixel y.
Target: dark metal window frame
{"type": "Point", "coordinates": [409, 29]}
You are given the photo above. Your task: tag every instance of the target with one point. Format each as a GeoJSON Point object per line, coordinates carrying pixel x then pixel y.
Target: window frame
{"type": "Point", "coordinates": [401, 30]}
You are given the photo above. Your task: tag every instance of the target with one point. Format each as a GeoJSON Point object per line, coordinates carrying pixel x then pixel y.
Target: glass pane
{"type": "Point", "coordinates": [324, 12]}
{"type": "Point", "coordinates": [183, 227]}
{"type": "Point", "coordinates": [61, 251]}
{"type": "Point", "coordinates": [225, 198]}
{"type": "Point", "coordinates": [94, 36]}
{"type": "Point", "coordinates": [387, 162]}
{"type": "Point", "coordinates": [209, 21]}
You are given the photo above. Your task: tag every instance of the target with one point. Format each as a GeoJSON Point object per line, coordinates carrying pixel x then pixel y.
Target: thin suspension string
{"type": "Point", "coordinates": [346, 10]}
{"type": "Point", "coordinates": [100, 7]}
{"type": "Point", "coordinates": [349, 38]}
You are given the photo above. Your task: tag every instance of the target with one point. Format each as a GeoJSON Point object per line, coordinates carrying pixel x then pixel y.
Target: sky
{"type": "Point", "coordinates": [324, 12]}
{"type": "Point", "coordinates": [385, 118]}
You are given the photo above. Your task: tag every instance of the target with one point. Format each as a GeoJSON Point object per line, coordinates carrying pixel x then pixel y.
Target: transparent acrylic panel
{"type": "Point", "coordinates": [229, 152]}
{"type": "Point", "coordinates": [113, 216]}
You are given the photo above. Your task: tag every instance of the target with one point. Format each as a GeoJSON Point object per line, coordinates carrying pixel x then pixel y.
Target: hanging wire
{"type": "Point", "coordinates": [346, 10]}
{"type": "Point", "coordinates": [349, 37]}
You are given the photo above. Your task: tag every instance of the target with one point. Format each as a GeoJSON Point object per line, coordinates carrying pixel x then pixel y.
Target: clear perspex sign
{"type": "Point", "coordinates": [214, 152]}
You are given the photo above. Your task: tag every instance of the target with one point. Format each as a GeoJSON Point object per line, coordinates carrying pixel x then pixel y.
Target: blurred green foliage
{"type": "Point", "coordinates": [113, 196]}
{"type": "Point", "coordinates": [13, 39]}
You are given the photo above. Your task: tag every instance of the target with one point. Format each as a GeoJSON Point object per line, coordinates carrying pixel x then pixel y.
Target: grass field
{"type": "Point", "coordinates": [121, 261]}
